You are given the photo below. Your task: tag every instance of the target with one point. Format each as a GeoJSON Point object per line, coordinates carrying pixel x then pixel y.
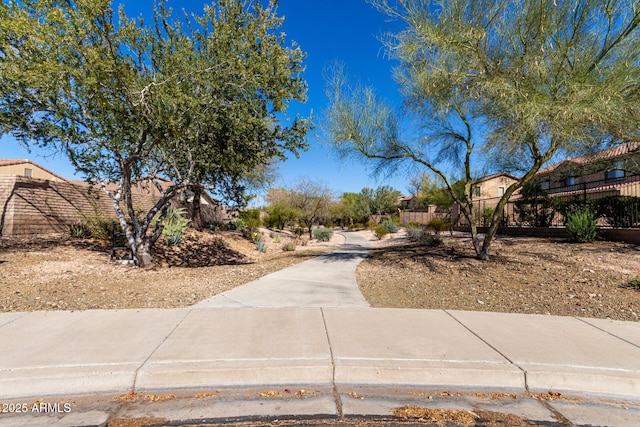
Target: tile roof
{"type": "Point", "coordinates": [496, 175]}
{"type": "Point", "coordinates": [610, 153]}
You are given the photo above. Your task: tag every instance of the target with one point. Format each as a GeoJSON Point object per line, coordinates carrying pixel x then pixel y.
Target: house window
{"type": "Point", "coordinates": [616, 172]}
{"type": "Point", "coordinates": [476, 191]}
{"type": "Point", "coordinates": [28, 172]}
{"type": "Point", "coordinates": [544, 185]}
{"type": "Point", "coordinates": [500, 191]}
{"type": "Point", "coordinates": [569, 181]}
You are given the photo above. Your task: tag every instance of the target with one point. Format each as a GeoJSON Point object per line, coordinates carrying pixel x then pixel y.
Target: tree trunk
{"type": "Point", "coordinates": [469, 213]}
{"type": "Point", "coordinates": [143, 255]}
{"type": "Point", "coordinates": [491, 232]}
{"type": "Point", "coordinates": [196, 214]}
{"type": "Point", "coordinates": [499, 210]}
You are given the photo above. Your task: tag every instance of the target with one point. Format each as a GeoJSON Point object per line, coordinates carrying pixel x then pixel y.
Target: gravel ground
{"type": "Point", "coordinates": [59, 273]}
{"type": "Point", "coordinates": [525, 275]}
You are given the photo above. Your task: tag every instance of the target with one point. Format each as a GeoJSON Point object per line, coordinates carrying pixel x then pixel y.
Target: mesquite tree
{"type": "Point", "coordinates": [512, 81]}
{"type": "Point", "coordinates": [197, 99]}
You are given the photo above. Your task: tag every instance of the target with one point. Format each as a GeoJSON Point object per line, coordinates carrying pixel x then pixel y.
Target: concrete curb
{"type": "Point", "coordinates": [62, 353]}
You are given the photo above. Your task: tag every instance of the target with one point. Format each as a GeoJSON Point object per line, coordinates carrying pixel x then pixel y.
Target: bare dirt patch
{"type": "Point", "coordinates": [59, 273]}
{"type": "Point", "coordinates": [525, 275]}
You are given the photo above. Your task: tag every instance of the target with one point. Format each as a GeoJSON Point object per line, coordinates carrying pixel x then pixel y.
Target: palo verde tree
{"type": "Point", "coordinates": [197, 100]}
{"type": "Point", "coordinates": [521, 80]}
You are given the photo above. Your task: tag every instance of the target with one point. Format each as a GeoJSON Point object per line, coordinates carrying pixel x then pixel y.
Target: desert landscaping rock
{"type": "Point", "coordinates": [525, 275]}
{"type": "Point", "coordinates": [65, 274]}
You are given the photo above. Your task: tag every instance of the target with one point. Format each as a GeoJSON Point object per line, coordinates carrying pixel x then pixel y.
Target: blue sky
{"type": "Point", "coordinates": [327, 30]}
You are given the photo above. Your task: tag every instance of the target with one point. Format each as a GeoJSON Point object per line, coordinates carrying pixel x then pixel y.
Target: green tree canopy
{"type": "Point", "coordinates": [195, 99]}
{"type": "Point", "coordinates": [383, 200]}
{"type": "Point", "coordinates": [307, 200]}
{"type": "Point", "coordinates": [517, 81]}
{"type": "Point", "coordinates": [352, 208]}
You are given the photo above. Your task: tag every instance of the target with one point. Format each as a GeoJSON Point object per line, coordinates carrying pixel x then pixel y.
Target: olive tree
{"type": "Point", "coordinates": [196, 99]}
{"type": "Point", "coordinates": [516, 82]}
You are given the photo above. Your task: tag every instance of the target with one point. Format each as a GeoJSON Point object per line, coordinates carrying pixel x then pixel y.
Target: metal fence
{"type": "Point", "coordinates": [616, 203]}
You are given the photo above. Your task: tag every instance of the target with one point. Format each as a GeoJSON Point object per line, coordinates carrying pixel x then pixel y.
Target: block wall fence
{"type": "Point", "coordinates": [31, 206]}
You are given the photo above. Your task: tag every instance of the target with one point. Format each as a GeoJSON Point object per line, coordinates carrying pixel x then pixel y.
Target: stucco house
{"type": "Point", "coordinates": [611, 172]}
{"type": "Point", "coordinates": [28, 169]}
{"type": "Point", "coordinates": [489, 189]}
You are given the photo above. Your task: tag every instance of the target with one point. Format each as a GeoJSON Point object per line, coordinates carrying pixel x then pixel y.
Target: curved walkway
{"type": "Point", "coordinates": [325, 281]}
{"type": "Point", "coordinates": [308, 328]}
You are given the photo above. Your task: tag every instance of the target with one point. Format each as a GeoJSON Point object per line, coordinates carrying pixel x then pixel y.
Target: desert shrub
{"type": "Point", "coordinates": [414, 234]}
{"type": "Point", "coordinates": [216, 226]}
{"type": "Point", "coordinates": [371, 225]}
{"type": "Point", "coordinates": [278, 216]}
{"type": "Point", "coordinates": [79, 230]}
{"type": "Point", "coordinates": [302, 240]}
{"type": "Point", "coordinates": [276, 239]}
{"type": "Point", "coordinates": [251, 218]}
{"type": "Point", "coordinates": [438, 225]}
{"type": "Point", "coordinates": [255, 236]}
{"type": "Point", "coordinates": [174, 225]}
{"type": "Point", "coordinates": [236, 224]}
{"type": "Point", "coordinates": [535, 208]}
{"type": "Point", "coordinates": [298, 231]}
{"type": "Point", "coordinates": [380, 231]}
{"type": "Point", "coordinates": [581, 225]}
{"type": "Point", "coordinates": [261, 247]}
{"type": "Point", "coordinates": [567, 206]}
{"type": "Point", "coordinates": [289, 246]}
{"type": "Point", "coordinates": [633, 283]}
{"type": "Point", "coordinates": [390, 226]}
{"type": "Point", "coordinates": [430, 240]}
{"type": "Point", "coordinates": [357, 226]}
{"type": "Point", "coordinates": [323, 234]}
{"type": "Point", "coordinates": [414, 224]}
{"type": "Point", "coordinates": [487, 214]}
{"type": "Point", "coordinates": [219, 243]}
{"type": "Point", "coordinates": [99, 227]}
{"type": "Point", "coordinates": [174, 240]}
{"type": "Point", "coordinates": [395, 219]}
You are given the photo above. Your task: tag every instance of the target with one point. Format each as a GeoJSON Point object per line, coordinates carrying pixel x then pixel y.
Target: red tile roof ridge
{"type": "Point", "coordinates": [609, 153]}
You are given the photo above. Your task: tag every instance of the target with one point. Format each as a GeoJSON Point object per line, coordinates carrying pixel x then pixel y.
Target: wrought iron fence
{"type": "Point", "coordinates": [616, 203]}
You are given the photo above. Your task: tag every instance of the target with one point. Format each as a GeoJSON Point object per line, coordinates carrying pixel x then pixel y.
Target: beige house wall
{"type": "Point", "coordinates": [21, 170]}
{"type": "Point", "coordinates": [489, 189]}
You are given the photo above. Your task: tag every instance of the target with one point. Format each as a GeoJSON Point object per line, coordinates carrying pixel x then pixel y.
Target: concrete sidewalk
{"type": "Point", "coordinates": [331, 341]}
{"type": "Point", "coordinates": [326, 281]}
{"type": "Point", "coordinates": [102, 352]}
{"type": "Point", "coordinates": [58, 353]}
